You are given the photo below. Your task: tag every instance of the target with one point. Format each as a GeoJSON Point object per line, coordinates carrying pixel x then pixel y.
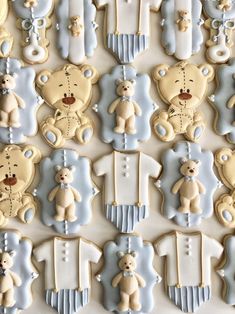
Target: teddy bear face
{"type": "Point", "coordinates": [225, 160]}
{"type": "Point", "coordinates": [75, 19]}
{"type": "Point", "coordinates": [127, 262]}
{"type": "Point", "coordinates": [183, 13]}
{"type": "Point", "coordinates": [6, 259]}
{"type": "Point", "coordinates": [125, 88]}
{"type": "Point", "coordinates": [68, 89]}
{"type": "Point", "coordinates": [17, 168]}
{"type": "Point", "coordinates": [64, 175]}
{"type": "Point", "coordinates": [190, 168]}
{"type": "Point", "coordinates": [7, 81]}
{"type": "Point", "coordinates": [184, 84]}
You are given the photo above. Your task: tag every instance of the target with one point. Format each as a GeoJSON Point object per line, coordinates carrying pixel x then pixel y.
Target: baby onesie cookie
{"type": "Point", "coordinates": [188, 85]}
{"type": "Point", "coordinates": [127, 26]}
{"type": "Point", "coordinates": [34, 19]}
{"type": "Point", "coordinates": [128, 276]}
{"type": "Point", "coordinates": [67, 272]}
{"type": "Point", "coordinates": [126, 192]}
{"type": "Point", "coordinates": [6, 39]}
{"type": "Point", "coordinates": [68, 91]}
{"type": "Point", "coordinates": [188, 184]}
{"type": "Point", "coordinates": [221, 25]}
{"type": "Point", "coordinates": [125, 108]}
{"type": "Point", "coordinates": [223, 100]}
{"type": "Point", "coordinates": [181, 27]}
{"type": "Point", "coordinates": [19, 102]}
{"type": "Point", "coordinates": [17, 272]}
{"type": "Point", "coordinates": [188, 267]}
{"type": "Point", "coordinates": [66, 191]}
{"type": "Point", "coordinates": [76, 29]}
{"type": "Point", "coordinates": [17, 170]}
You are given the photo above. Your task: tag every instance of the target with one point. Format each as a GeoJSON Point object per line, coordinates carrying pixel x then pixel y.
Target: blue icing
{"type": "Point", "coordinates": [29, 214]}
{"type": "Point", "coordinates": [198, 132]}
{"type": "Point", "coordinates": [51, 137]}
{"type": "Point", "coordinates": [87, 134]}
{"type": "Point", "coordinates": [161, 130]}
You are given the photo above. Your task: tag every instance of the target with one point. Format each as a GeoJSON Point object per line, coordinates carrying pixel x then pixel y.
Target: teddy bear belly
{"type": "Point", "coordinates": [8, 103]}
{"type": "Point", "coordinates": [64, 198]}
{"type": "Point", "coordinates": [125, 109]}
{"type": "Point", "coordinates": [189, 190]}
{"type": "Point", "coordinates": [180, 122]}
{"type": "Point", "coordinates": [10, 207]}
{"type": "Point", "coordinates": [129, 285]}
{"type": "Point", "coordinates": [68, 126]}
{"type": "Point", "coordinates": [6, 283]}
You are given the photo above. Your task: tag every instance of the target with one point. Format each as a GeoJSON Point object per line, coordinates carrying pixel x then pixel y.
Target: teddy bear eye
{"type": "Point", "coordinates": [65, 95]}
{"type": "Point", "coordinates": [188, 91]}
{"type": "Point", "coordinates": [6, 175]}
{"type": "Point", "coordinates": [13, 175]}
{"type": "Point", "coordinates": [181, 90]}
{"type": "Point", "coordinates": [75, 84]}
{"type": "Point", "coordinates": [4, 261]}
{"type": "Point", "coordinates": [72, 94]}
{"type": "Point", "coordinates": [188, 167]}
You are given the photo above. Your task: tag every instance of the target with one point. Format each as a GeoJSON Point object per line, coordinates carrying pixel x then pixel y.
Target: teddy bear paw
{"type": "Point", "coordinates": [123, 307]}
{"type": "Point", "coordinates": [3, 124]}
{"type": "Point", "coordinates": [52, 135]}
{"type": "Point", "coordinates": [59, 218]}
{"type": "Point", "coordinates": [195, 210]}
{"type": "Point", "coordinates": [131, 131]}
{"type": "Point", "coordinates": [195, 131]}
{"type": "Point", "coordinates": [26, 214]}
{"type": "Point", "coordinates": [15, 124]}
{"type": "Point", "coordinates": [135, 306]}
{"type": "Point", "coordinates": [225, 209]}
{"type": "Point", "coordinates": [119, 130]}
{"type": "Point", "coordinates": [163, 129]}
{"type": "Point", "coordinates": [8, 302]}
{"type": "Point", "coordinates": [71, 218]}
{"type": "Point", "coordinates": [183, 210]}
{"type": "Point", "coordinates": [84, 134]}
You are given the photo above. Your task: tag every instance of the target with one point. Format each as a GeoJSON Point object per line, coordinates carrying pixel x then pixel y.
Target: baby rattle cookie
{"type": "Point", "coordinates": [125, 108]}
{"type": "Point", "coordinates": [34, 19]}
{"type": "Point", "coordinates": [6, 39]}
{"type": "Point", "coordinates": [181, 30]}
{"type": "Point", "coordinates": [19, 102]}
{"type": "Point", "coordinates": [128, 276]}
{"type": "Point", "coordinates": [223, 101]}
{"type": "Point", "coordinates": [66, 191]}
{"type": "Point", "coordinates": [68, 91]}
{"type": "Point", "coordinates": [188, 84]}
{"type": "Point", "coordinates": [127, 26]}
{"type": "Point", "coordinates": [187, 184]}
{"type": "Point", "coordinates": [221, 25]}
{"type": "Point", "coordinates": [67, 272]}
{"type": "Point", "coordinates": [185, 252]}
{"type": "Point", "coordinates": [76, 29]}
{"type": "Point", "coordinates": [126, 191]}
{"type": "Point", "coordinates": [17, 272]}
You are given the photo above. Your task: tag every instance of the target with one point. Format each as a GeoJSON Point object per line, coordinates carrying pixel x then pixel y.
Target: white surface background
{"type": "Point", "coordinates": [100, 230]}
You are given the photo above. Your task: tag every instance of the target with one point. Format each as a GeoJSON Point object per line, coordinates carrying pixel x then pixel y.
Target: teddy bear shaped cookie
{"type": "Point", "coordinates": [224, 5]}
{"type": "Point", "coordinates": [75, 27]}
{"type": "Point", "coordinates": [183, 21]}
{"type": "Point", "coordinates": [68, 91]}
{"type": "Point", "coordinates": [64, 194]}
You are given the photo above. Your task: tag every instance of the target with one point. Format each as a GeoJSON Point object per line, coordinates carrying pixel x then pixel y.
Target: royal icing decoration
{"type": "Point", "coordinates": [188, 184]}
{"type": "Point", "coordinates": [220, 24]}
{"type": "Point", "coordinates": [128, 276]}
{"type": "Point", "coordinates": [126, 187]}
{"type": "Point", "coordinates": [67, 272]}
{"type": "Point", "coordinates": [17, 272]}
{"type": "Point", "coordinates": [127, 26]}
{"type": "Point", "coordinates": [181, 29]}
{"type": "Point", "coordinates": [6, 40]}
{"type": "Point", "coordinates": [34, 19]}
{"type": "Point", "coordinates": [223, 100]}
{"type": "Point", "coordinates": [66, 191]}
{"type": "Point", "coordinates": [76, 29]}
{"type": "Point", "coordinates": [125, 108]}
{"type": "Point", "coordinates": [188, 84]}
{"type": "Point", "coordinates": [68, 91]}
{"type": "Point", "coordinates": [185, 252]}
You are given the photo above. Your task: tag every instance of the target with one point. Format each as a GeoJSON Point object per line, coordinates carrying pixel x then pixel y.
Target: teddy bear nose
{"type": "Point", "coordinates": [10, 180]}
{"type": "Point", "coordinates": [69, 100]}
{"type": "Point", "coordinates": [125, 89]}
{"type": "Point", "coordinates": [185, 96]}
{"type": "Point", "coordinates": [3, 81]}
{"type": "Point", "coordinates": [191, 171]}
{"type": "Point", "coordinates": [62, 178]}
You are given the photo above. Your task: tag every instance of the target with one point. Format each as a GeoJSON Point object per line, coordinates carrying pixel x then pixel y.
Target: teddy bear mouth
{"type": "Point", "coordinates": [68, 100]}
{"type": "Point", "coordinates": [185, 96]}
{"type": "Point", "coordinates": [10, 181]}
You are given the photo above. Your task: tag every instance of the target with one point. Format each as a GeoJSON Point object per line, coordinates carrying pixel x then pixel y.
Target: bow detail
{"type": "Point", "coordinates": [5, 91]}
{"type": "Point", "coordinates": [189, 179]}
{"type": "Point", "coordinates": [128, 274]}
{"type": "Point", "coordinates": [2, 272]}
{"type": "Point", "coordinates": [124, 98]}
{"type": "Point", "coordinates": [64, 186]}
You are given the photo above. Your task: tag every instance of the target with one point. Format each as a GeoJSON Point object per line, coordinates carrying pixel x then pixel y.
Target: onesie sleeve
{"type": "Point", "coordinates": [214, 248]}
{"type": "Point", "coordinates": [152, 166]}
{"type": "Point", "coordinates": [93, 253]}
{"type": "Point", "coordinates": [155, 4]}
{"type": "Point", "coordinates": [100, 166]}
{"type": "Point", "coordinates": [162, 245]}
{"type": "Point", "coordinates": [101, 3]}
{"type": "Point", "coordinates": [42, 252]}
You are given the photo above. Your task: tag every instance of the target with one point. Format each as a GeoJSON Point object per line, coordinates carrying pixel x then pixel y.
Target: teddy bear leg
{"type": "Point", "coordinates": [195, 130]}
{"type": "Point", "coordinates": [185, 205]}
{"type": "Point", "coordinates": [123, 306]}
{"type": "Point", "coordinates": [120, 125]}
{"type": "Point", "coordinates": [52, 134]}
{"type": "Point", "coordinates": [70, 213]}
{"type": "Point", "coordinates": [84, 133]}
{"type": "Point", "coordinates": [1, 299]}
{"type": "Point", "coordinates": [60, 213]}
{"type": "Point", "coordinates": [130, 125]}
{"type": "Point", "coordinates": [195, 205]}
{"type": "Point", "coordinates": [4, 119]}
{"type": "Point", "coordinates": [14, 119]}
{"type": "Point", "coordinates": [8, 298]}
{"type": "Point", "coordinates": [27, 212]}
{"type": "Point", "coordinates": [163, 128]}
{"type": "Point", "coordinates": [3, 219]}
{"type": "Point", "coordinates": [135, 301]}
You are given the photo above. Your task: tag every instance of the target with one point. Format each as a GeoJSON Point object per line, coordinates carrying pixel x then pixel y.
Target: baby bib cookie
{"type": "Point", "coordinates": [19, 102]}
{"type": "Point", "coordinates": [6, 39]}
{"type": "Point", "coordinates": [17, 272]}
{"type": "Point", "coordinates": [68, 91]}
{"type": "Point", "coordinates": [188, 267]}
{"type": "Point", "coordinates": [221, 25]}
{"type": "Point", "coordinates": [125, 108]}
{"type": "Point", "coordinates": [76, 29]}
{"type": "Point", "coordinates": [188, 183]}
{"type": "Point", "coordinates": [223, 100]}
{"type": "Point", "coordinates": [128, 276]}
{"type": "Point", "coordinates": [67, 272]}
{"type": "Point", "coordinates": [17, 170]}
{"type": "Point", "coordinates": [127, 26]}
{"type": "Point", "coordinates": [188, 84]}
{"type": "Point", "coordinates": [181, 27]}
{"type": "Point", "coordinates": [126, 191]}
{"type": "Point", "coordinates": [34, 19]}
{"type": "Point", "coordinates": [66, 191]}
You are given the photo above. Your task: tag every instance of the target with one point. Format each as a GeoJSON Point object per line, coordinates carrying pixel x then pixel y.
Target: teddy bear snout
{"type": "Point", "coordinates": [69, 100]}
{"type": "Point", "coordinates": [185, 96]}
{"type": "Point", "coordinates": [10, 180]}
{"type": "Point", "coordinates": [191, 171]}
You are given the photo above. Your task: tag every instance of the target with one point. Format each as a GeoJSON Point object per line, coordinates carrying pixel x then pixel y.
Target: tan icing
{"type": "Point", "coordinates": [30, 3]}
{"type": "Point", "coordinates": [224, 5]}
{"type": "Point", "coordinates": [183, 21]}
{"type": "Point", "coordinates": [75, 26]}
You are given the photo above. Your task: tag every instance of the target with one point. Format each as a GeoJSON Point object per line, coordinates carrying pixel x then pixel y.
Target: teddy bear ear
{"type": "Point", "coordinates": [90, 73]}
{"type": "Point", "coordinates": [223, 155]}
{"type": "Point", "coordinates": [119, 81]}
{"type": "Point", "coordinates": [120, 254]}
{"type": "Point", "coordinates": [58, 168]}
{"type": "Point", "coordinates": [133, 82]}
{"type": "Point", "coordinates": [33, 153]}
{"type": "Point", "coordinates": [72, 168]}
{"type": "Point", "coordinates": [12, 253]}
{"type": "Point", "coordinates": [159, 72]}
{"type": "Point", "coordinates": [207, 71]}
{"type": "Point", "coordinates": [42, 78]}
{"type": "Point", "coordinates": [183, 160]}
{"type": "Point", "coordinates": [134, 254]}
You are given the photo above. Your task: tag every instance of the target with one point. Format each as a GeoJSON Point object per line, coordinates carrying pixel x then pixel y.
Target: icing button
{"type": "Point", "coordinates": [66, 244]}
{"type": "Point", "coordinates": [65, 259]}
{"type": "Point", "coordinates": [126, 174]}
{"type": "Point", "coordinates": [127, 158]}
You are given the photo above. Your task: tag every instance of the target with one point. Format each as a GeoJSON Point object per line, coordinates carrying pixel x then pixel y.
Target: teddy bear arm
{"type": "Point", "coordinates": [113, 106]}
{"type": "Point", "coordinates": [202, 189]}
{"type": "Point", "coordinates": [53, 193]}
{"type": "Point", "coordinates": [138, 110]}
{"type": "Point", "coordinates": [141, 281]}
{"type": "Point", "coordinates": [177, 186]}
{"type": "Point", "coordinates": [76, 195]}
{"type": "Point", "coordinates": [231, 102]}
{"type": "Point", "coordinates": [116, 280]}
{"type": "Point", "coordinates": [16, 279]}
{"type": "Point", "coordinates": [20, 101]}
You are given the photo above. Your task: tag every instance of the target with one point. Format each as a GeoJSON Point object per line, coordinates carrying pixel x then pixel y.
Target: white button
{"type": "Point", "coordinates": [66, 252]}
{"type": "Point", "coordinates": [66, 244]}
{"type": "Point", "coordinates": [126, 174]}
{"type": "Point", "coordinates": [65, 259]}
{"type": "Point", "coordinates": [126, 167]}
{"type": "Point", "coordinates": [127, 159]}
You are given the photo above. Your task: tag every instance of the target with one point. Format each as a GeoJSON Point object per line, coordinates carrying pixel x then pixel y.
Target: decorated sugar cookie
{"type": "Point", "coordinates": [188, 267]}
{"type": "Point", "coordinates": [33, 20]}
{"type": "Point", "coordinates": [221, 25]}
{"type": "Point", "coordinates": [125, 108]}
{"type": "Point", "coordinates": [188, 184]}
{"type": "Point", "coordinates": [127, 26]}
{"type": "Point", "coordinates": [128, 276]}
{"type": "Point", "coordinates": [6, 39]}
{"type": "Point", "coordinates": [66, 191]}
{"type": "Point", "coordinates": [181, 28]}
{"type": "Point", "coordinates": [76, 29]}
{"type": "Point", "coordinates": [126, 180]}
{"type": "Point", "coordinates": [19, 102]}
{"type": "Point", "coordinates": [223, 100]}
{"type": "Point", "coordinates": [67, 272]}
{"type": "Point", "coordinates": [68, 91]}
{"type": "Point", "coordinates": [17, 272]}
